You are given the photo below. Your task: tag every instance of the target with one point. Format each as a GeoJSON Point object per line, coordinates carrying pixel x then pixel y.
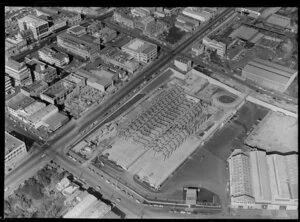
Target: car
{"type": "Point", "coordinates": [138, 201]}
{"type": "Point", "coordinates": [118, 199]}
{"type": "Point", "coordinates": [98, 187]}
{"type": "Point", "coordinates": [43, 155]}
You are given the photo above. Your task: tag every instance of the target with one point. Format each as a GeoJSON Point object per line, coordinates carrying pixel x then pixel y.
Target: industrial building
{"type": "Point", "coordinates": [123, 19]}
{"type": "Point", "coordinates": [220, 47]}
{"type": "Point", "coordinates": [56, 93]}
{"type": "Point", "coordinates": [280, 21]}
{"type": "Point", "coordinates": [78, 46]}
{"type": "Point", "coordinates": [253, 12]}
{"type": "Point", "coordinates": [269, 74]}
{"type": "Point", "coordinates": [141, 50]}
{"type": "Point", "coordinates": [197, 13]}
{"type": "Point", "coordinates": [98, 79]}
{"type": "Point", "coordinates": [41, 70]}
{"type": "Point", "coordinates": [15, 150]}
{"type": "Point", "coordinates": [39, 27]}
{"type": "Point", "coordinates": [88, 207]}
{"type": "Point", "coordinates": [120, 59]}
{"type": "Point", "coordinates": [19, 72]}
{"type": "Point", "coordinates": [184, 26]}
{"type": "Point", "coordinates": [244, 33]}
{"type": "Point", "coordinates": [54, 57]}
{"type": "Point", "coordinates": [184, 19]}
{"type": "Point", "coordinates": [260, 180]}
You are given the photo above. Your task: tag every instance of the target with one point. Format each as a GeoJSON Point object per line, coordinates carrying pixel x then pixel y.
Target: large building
{"type": "Point", "coordinates": [280, 21]}
{"type": "Point", "coordinates": [251, 11]}
{"type": "Point", "coordinates": [260, 180]}
{"type": "Point", "coordinates": [15, 150]}
{"type": "Point", "coordinates": [143, 22]}
{"type": "Point", "coordinates": [124, 19]}
{"type": "Point", "coordinates": [220, 47]}
{"type": "Point", "coordinates": [18, 103]}
{"type": "Point", "coordinates": [140, 12]}
{"type": "Point", "coordinates": [37, 118]}
{"type": "Point", "coordinates": [14, 45]}
{"type": "Point", "coordinates": [8, 85]}
{"type": "Point", "coordinates": [57, 93]}
{"type": "Point", "coordinates": [55, 121]}
{"type": "Point", "coordinates": [154, 28]}
{"type": "Point", "coordinates": [52, 56]}
{"type": "Point", "coordinates": [98, 79]}
{"type": "Point", "coordinates": [183, 64]}
{"type": "Point", "coordinates": [197, 13]}
{"type": "Point", "coordinates": [41, 70]}
{"type": "Point", "coordinates": [35, 88]}
{"type": "Point", "coordinates": [39, 27]}
{"type": "Point", "coordinates": [19, 72]}
{"type": "Point", "coordinates": [142, 51]}
{"type": "Point", "coordinates": [269, 74]}
{"type": "Point", "coordinates": [88, 207]}
{"type": "Point", "coordinates": [78, 46]}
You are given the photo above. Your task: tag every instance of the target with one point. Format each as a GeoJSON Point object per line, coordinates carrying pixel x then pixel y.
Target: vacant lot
{"type": "Point", "coordinates": [174, 35]}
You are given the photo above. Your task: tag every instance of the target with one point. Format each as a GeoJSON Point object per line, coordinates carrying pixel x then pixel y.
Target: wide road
{"type": "Point", "coordinates": [56, 146]}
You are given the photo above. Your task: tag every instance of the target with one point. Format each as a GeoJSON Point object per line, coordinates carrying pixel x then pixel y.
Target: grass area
{"type": "Point", "coordinates": [174, 35]}
{"type": "Point", "coordinates": [37, 197]}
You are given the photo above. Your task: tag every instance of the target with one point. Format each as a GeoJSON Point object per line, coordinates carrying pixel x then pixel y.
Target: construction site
{"type": "Point", "coordinates": [155, 136]}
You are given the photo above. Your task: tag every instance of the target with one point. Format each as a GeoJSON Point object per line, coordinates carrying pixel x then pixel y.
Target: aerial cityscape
{"type": "Point", "coordinates": [151, 112]}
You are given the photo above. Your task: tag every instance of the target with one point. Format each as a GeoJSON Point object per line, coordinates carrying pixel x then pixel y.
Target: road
{"type": "Point", "coordinates": [54, 151]}
{"type": "Point", "coordinates": [230, 75]}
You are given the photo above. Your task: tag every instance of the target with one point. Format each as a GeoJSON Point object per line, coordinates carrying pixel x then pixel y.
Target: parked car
{"type": "Point", "coordinates": [118, 199]}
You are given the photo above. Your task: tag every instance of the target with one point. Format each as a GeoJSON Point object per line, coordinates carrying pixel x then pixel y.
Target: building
{"type": "Point", "coordinates": [52, 56]}
{"type": "Point", "coordinates": [141, 50]}
{"type": "Point", "coordinates": [42, 71]}
{"type": "Point", "coordinates": [253, 12]}
{"type": "Point", "coordinates": [120, 59]}
{"type": "Point", "coordinates": [154, 28]}
{"type": "Point", "coordinates": [185, 26]}
{"type": "Point", "coordinates": [57, 93]}
{"type": "Point", "coordinates": [140, 12]}
{"type": "Point", "coordinates": [260, 180]}
{"type": "Point", "coordinates": [191, 195]}
{"type": "Point", "coordinates": [79, 46]}
{"type": "Point", "coordinates": [77, 30]}
{"type": "Point", "coordinates": [88, 207]}
{"type": "Point", "coordinates": [19, 72]}
{"type": "Point", "coordinates": [15, 150]}
{"type": "Point", "coordinates": [17, 103]}
{"type": "Point", "coordinates": [280, 21]}
{"type": "Point", "coordinates": [8, 85]}
{"type": "Point", "coordinates": [39, 27]}
{"type": "Point", "coordinates": [13, 46]}
{"type": "Point", "coordinates": [197, 14]}
{"type": "Point", "coordinates": [184, 19]}
{"type": "Point", "coordinates": [123, 19]}
{"type": "Point", "coordinates": [55, 121]}
{"type": "Point", "coordinates": [183, 64]}
{"type": "Point", "coordinates": [31, 109]}
{"type": "Point", "coordinates": [220, 47]}
{"type": "Point", "coordinates": [34, 89]}
{"type": "Point", "coordinates": [197, 49]}
{"type": "Point", "coordinates": [269, 75]}
{"type": "Point", "coordinates": [71, 18]}
{"type": "Point", "coordinates": [98, 79]}
{"type": "Point", "coordinates": [37, 119]}
{"type": "Point", "coordinates": [143, 22]}
{"type": "Point", "coordinates": [94, 27]}
{"type": "Point", "coordinates": [241, 190]}
{"type": "Point", "coordinates": [106, 34]}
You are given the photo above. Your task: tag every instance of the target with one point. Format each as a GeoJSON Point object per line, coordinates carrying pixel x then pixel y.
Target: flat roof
{"type": "Point", "coordinates": [76, 28]}
{"type": "Point", "coordinates": [279, 20]}
{"type": "Point", "coordinates": [35, 85]}
{"type": "Point", "coordinates": [19, 101]}
{"type": "Point", "coordinates": [276, 132]}
{"type": "Point", "coordinates": [55, 119]}
{"type": "Point", "coordinates": [102, 77]}
{"type": "Point", "coordinates": [139, 46]}
{"type": "Point", "coordinates": [34, 107]}
{"type": "Point", "coordinates": [52, 52]}
{"type": "Point", "coordinates": [244, 32]}
{"type": "Point", "coordinates": [14, 64]}
{"type": "Point", "coordinates": [191, 196]}
{"type": "Point", "coordinates": [11, 143]}
{"type": "Point", "coordinates": [58, 88]}
{"type": "Point", "coordinates": [37, 116]}
{"type": "Point", "coordinates": [35, 21]}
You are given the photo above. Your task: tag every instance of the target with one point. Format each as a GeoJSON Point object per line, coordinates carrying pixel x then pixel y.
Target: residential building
{"type": "Point", "coordinates": [15, 150]}
{"type": "Point", "coordinates": [19, 72]}
{"type": "Point", "coordinates": [98, 79]}
{"type": "Point", "coordinates": [269, 74]}
{"type": "Point", "coordinates": [79, 46]}
{"type": "Point", "coordinates": [8, 85]}
{"type": "Point", "coordinates": [41, 70]}
{"type": "Point", "coordinates": [183, 64]}
{"type": "Point", "coordinates": [57, 93]}
{"type": "Point", "coordinates": [54, 57]}
{"type": "Point", "coordinates": [141, 50]}
{"type": "Point", "coordinates": [124, 19]}
{"type": "Point", "coordinates": [34, 89]}
{"type": "Point", "coordinates": [39, 27]}
{"type": "Point", "coordinates": [197, 13]}
{"type": "Point", "coordinates": [220, 47]}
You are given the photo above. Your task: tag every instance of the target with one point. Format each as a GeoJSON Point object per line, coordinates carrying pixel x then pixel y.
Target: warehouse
{"type": "Point", "coordinates": [269, 75]}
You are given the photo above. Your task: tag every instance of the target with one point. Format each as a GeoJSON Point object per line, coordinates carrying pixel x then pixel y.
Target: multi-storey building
{"type": "Point", "coordinates": [19, 72]}
{"type": "Point", "coordinates": [15, 150]}
{"type": "Point", "coordinates": [71, 18]}
{"type": "Point", "coordinates": [154, 28]}
{"type": "Point", "coordinates": [142, 51]}
{"type": "Point", "coordinates": [78, 46]}
{"type": "Point", "coordinates": [14, 45]}
{"type": "Point", "coordinates": [38, 26]}
{"type": "Point", "coordinates": [197, 13]}
{"type": "Point", "coordinates": [8, 85]}
{"type": "Point", "coordinates": [35, 88]}
{"type": "Point", "coordinates": [123, 19]}
{"type": "Point", "coordinates": [41, 70]}
{"type": "Point", "coordinates": [143, 22]}
{"type": "Point", "coordinates": [54, 57]}
{"type": "Point", "coordinates": [140, 12]}
{"type": "Point", "coordinates": [220, 47]}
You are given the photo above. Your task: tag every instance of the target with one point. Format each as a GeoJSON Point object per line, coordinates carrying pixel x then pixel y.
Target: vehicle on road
{"type": "Point", "coordinates": [138, 201]}
{"type": "Point", "coordinates": [43, 155]}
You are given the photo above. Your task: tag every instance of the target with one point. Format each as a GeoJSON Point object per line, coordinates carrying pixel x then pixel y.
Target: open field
{"type": "Point", "coordinates": [276, 132]}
